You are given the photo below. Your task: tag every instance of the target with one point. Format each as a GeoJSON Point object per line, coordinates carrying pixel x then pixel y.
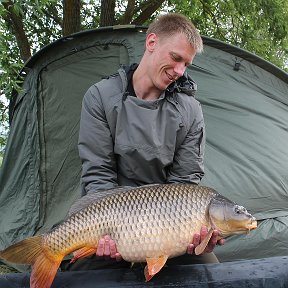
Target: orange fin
{"type": "Point", "coordinates": [83, 252]}
{"type": "Point", "coordinates": [154, 265]}
{"type": "Point", "coordinates": [201, 247]}
{"type": "Point", "coordinates": [23, 252]}
{"type": "Point", "coordinates": [30, 251]}
{"type": "Point", "coordinates": [43, 272]}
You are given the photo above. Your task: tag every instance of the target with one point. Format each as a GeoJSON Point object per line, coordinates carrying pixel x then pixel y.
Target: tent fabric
{"type": "Point", "coordinates": [265, 273]}
{"type": "Point", "coordinates": [245, 106]}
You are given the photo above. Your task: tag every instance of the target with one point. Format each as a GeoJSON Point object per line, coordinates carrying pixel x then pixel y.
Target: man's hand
{"type": "Point", "coordinates": [198, 238]}
{"type": "Point", "coordinates": [107, 247]}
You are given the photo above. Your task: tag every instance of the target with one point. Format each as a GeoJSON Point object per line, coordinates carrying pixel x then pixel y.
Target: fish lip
{"type": "Point", "coordinates": [252, 225]}
{"type": "Point", "coordinates": [245, 230]}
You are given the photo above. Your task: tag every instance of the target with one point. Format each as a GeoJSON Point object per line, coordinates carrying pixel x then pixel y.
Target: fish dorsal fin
{"type": "Point", "coordinates": [91, 197]}
{"type": "Point", "coordinates": [201, 247]}
{"type": "Point", "coordinates": [154, 265]}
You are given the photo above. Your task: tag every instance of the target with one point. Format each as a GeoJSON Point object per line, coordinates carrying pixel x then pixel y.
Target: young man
{"type": "Point", "coordinates": [143, 124]}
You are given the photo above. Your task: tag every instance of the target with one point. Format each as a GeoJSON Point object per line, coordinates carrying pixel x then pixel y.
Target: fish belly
{"type": "Point", "coordinates": [138, 245]}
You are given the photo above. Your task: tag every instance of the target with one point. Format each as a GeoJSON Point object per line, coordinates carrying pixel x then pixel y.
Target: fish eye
{"type": "Point", "coordinates": [239, 209]}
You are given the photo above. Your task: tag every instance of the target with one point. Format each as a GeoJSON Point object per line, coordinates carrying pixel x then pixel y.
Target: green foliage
{"type": "Point", "coordinates": [259, 26]}
{"type": "Point", "coordinates": [10, 65]}
{"type": "Point", "coordinates": [3, 137]}
{"type": "Point", "coordinates": [3, 126]}
{"type": "Point", "coordinates": [41, 24]}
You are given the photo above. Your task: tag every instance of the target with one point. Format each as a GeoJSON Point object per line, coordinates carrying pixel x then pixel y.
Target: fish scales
{"type": "Point", "coordinates": [144, 222]}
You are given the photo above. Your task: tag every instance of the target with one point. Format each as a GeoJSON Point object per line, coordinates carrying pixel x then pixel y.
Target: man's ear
{"type": "Point", "coordinates": [151, 41]}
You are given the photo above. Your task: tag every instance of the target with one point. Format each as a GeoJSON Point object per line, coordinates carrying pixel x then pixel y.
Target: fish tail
{"type": "Point", "coordinates": [30, 251]}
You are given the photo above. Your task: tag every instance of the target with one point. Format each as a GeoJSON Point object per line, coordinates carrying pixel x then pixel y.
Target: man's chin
{"type": "Point", "coordinates": [163, 86]}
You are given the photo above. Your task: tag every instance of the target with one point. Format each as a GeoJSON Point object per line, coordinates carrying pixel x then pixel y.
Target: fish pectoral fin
{"type": "Point", "coordinates": [154, 265]}
{"type": "Point", "coordinates": [201, 247]}
{"type": "Point", "coordinates": [83, 252]}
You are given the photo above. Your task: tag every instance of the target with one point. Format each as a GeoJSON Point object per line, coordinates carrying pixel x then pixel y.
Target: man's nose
{"type": "Point", "coordinates": [179, 69]}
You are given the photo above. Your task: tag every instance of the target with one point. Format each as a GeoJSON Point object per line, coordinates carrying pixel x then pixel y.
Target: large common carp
{"type": "Point", "coordinates": [150, 223]}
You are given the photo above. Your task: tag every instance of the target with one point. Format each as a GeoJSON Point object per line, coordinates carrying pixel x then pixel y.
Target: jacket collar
{"type": "Point", "coordinates": [184, 84]}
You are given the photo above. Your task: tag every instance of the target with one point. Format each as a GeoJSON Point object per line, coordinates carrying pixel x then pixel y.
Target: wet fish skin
{"type": "Point", "coordinates": [138, 221]}
{"type": "Point", "coordinates": [149, 223]}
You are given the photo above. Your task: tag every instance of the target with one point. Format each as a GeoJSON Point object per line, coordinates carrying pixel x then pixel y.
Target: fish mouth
{"type": "Point", "coordinates": [252, 225]}
{"type": "Point", "coordinates": [245, 228]}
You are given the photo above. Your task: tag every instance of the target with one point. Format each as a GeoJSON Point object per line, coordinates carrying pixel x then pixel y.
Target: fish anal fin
{"type": "Point", "coordinates": [201, 247]}
{"type": "Point", "coordinates": [83, 252]}
{"type": "Point", "coordinates": [154, 265]}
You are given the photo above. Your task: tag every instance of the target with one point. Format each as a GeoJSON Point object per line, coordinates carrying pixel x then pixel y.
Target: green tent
{"type": "Point", "coordinates": [245, 105]}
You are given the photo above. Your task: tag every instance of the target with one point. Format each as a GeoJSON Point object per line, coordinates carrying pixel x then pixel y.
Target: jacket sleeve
{"type": "Point", "coordinates": [188, 162]}
{"type": "Point", "coordinates": [95, 145]}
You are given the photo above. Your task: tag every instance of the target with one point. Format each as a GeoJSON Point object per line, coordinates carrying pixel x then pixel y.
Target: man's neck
{"type": "Point", "coordinates": [143, 86]}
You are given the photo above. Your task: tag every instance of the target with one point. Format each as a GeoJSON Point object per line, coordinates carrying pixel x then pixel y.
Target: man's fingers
{"type": "Point", "coordinates": [100, 248]}
{"type": "Point", "coordinates": [106, 246]}
{"type": "Point", "coordinates": [118, 257]}
{"type": "Point", "coordinates": [221, 242]}
{"type": "Point", "coordinates": [113, 249]}
{"type": "Point", "coordinates": [196, 239]}
{"type": "Point", "coordinates": [214, 237]}
{"type": "Point", "coordinates": [203, 233]}
{"type": "Point", "coordinates": [190, 249]}
{"type": "Point", "coordinates": [213, 241]}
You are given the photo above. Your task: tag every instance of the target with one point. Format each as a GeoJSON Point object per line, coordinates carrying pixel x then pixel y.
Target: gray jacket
{"type": "Point", "coordinates": [127, 141]}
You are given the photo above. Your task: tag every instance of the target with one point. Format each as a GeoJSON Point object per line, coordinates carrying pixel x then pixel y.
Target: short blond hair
{"type": "Point", "coordinates": [173, 23]}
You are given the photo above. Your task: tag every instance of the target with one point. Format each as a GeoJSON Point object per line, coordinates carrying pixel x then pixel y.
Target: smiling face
{"type": "Point", "coordinates": [168, 58]}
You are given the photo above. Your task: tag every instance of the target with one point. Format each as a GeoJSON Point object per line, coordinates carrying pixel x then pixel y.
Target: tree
{"type": "Point", "coordinates": [259, 26]}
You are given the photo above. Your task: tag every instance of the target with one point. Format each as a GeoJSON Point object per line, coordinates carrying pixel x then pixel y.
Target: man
{"type": "Point", "coordinates": [143, 124]}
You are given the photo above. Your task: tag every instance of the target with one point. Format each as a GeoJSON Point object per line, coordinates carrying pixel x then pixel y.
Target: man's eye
{"type": "Point", "coordinates": [175, 58]}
